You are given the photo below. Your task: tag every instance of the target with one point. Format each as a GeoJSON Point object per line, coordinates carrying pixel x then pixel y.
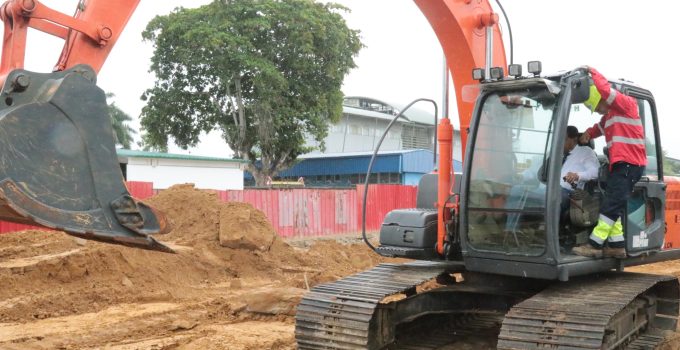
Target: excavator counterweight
{"type": "Point", "coordinates": [59, 164]}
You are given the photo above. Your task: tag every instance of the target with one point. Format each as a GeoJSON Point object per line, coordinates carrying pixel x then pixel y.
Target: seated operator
{"type": "Point", "coordinates": [579, 165]}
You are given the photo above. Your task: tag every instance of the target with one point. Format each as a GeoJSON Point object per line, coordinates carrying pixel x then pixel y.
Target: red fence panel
{"type": "Point", "coordinates": [304, 212]}
{"type": "Point", "coordinates": [137, 189]}
{"type": "Point", "coordinates": [381, 200]}
{"type": "Point", "coordinates": [12, 227]}
{"type": "Point", "coordinates": [140, 190]}
{"type": "Point", "coordinates": [322, 212]}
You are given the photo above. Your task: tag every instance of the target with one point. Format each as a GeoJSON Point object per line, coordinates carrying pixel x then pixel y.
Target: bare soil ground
{"type": "Point", "coordinates": [233, 284]}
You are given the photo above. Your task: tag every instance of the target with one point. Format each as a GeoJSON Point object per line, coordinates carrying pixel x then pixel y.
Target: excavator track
{"type": "Point", "coordinates": [339, 315]}
{"type": "Point", "coordinates": [606, 311]}
{"type": "Point", "coordinates": [355, 313]}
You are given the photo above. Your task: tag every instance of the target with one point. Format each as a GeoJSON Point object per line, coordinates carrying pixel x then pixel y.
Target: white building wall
{"type": "Point", "coordinates": [360, 134]}
{"type": "Point", "coordinates": [164, 173]}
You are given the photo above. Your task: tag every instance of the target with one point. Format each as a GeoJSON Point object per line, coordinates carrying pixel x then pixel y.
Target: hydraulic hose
{"type": "Point", "coordinates": [375, 153]}
{"type": "Point", "coordinates": [507, 20]}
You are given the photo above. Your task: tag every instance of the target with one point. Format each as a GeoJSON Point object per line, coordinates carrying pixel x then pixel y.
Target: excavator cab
{"type": "Point", "coordinates": [508, 216]}
{"type": "Point", "coordinates": [510, 219]}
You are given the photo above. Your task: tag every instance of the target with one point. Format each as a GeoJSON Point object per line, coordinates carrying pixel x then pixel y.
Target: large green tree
{"type": "Point", "coordinates": [122, 132]}
{"type": "Point", "coordinates": [266, 73]}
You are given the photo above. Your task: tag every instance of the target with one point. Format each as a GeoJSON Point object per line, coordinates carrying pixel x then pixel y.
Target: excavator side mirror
{"type": "Point", "coordinates": [580, 89]}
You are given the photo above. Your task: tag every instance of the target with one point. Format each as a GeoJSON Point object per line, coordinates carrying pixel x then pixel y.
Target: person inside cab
{"type": "Point", "coordinates": [579, 165]}
{"type": "Point", "coordinates": [622, 128]}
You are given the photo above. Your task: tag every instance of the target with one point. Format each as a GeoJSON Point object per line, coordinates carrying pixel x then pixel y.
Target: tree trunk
{"type": "Point", "coordinates": [262, 175]}
{"type": "Point", "coordinates": [261, 178]}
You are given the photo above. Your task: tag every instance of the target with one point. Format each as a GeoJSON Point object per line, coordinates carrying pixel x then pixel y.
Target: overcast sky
{"type": "Point", "coordinates": [402, 60]}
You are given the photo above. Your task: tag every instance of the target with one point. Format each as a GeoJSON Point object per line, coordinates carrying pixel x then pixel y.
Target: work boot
{"type": "Point", "coordinates": [619, 253]}
{"type": "Point", "coordinates": [587, 250]}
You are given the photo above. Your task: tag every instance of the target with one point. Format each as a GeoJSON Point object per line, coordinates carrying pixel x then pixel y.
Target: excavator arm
{"type": "Point", "coordinates": [88, 36]}
{"type": "Point", "coordinates": [59, 167]}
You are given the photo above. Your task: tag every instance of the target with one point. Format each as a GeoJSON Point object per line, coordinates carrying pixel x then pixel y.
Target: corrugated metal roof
{"type": "Point", "coordinates": [421, 161]}
{"type": "Point", "coordinates": [344, 166]}
{"type": "Point", "coordinates": [404, 161]}
{"type": "Point", "coordinates": [415, 161]}
{"type": "Point", "coordinates": [355, 154]}
{"type": "Point", "coordinates": [370, 114]}
{"type": "Point", "coordinates": [144, 154]}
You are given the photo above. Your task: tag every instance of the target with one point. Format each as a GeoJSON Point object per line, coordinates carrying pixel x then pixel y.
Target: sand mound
{"type": "Point", "coordinates": [193, 214]}
{"type": "Point", "coordinates": [200, 218]}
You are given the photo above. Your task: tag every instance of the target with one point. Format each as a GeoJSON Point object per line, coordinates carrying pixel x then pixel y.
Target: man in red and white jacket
{"type": "Point", "coordinates": [622, 128]}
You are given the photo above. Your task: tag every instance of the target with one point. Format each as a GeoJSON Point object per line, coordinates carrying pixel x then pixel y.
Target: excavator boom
{"type": "Point", "coordinates": [88, 36]}
{"type": "Point", "coordinates": [59, 164]}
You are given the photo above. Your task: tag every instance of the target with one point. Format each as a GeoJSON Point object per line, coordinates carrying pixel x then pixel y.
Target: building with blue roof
{"type": "Point", "coordinates": [404, 167]}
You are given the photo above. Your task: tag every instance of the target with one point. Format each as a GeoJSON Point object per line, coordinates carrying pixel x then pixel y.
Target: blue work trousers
{"type": "Point", "coordinates": [620, 183]}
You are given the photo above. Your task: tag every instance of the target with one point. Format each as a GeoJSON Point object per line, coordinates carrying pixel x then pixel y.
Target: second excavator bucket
{"type": "Point", "coordinates": [58, 162]}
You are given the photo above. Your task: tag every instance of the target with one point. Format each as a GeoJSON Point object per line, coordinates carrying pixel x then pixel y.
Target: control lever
{"type": "Point", "coordinates": [574, 202]}
{"type": "Point", "coordinates": [573, 184]}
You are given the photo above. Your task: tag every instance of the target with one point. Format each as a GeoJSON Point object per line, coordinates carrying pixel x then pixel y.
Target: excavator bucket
{"type": "Point", "coordinates": [58, 163]}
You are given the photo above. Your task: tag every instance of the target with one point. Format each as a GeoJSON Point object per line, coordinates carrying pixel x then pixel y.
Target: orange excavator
{"type": "Point", "coordinates": [483, 267]}
{"type": "Point", "coordinates": [493, 253]}
{"type": "Point", "coordinates": [59, 164]}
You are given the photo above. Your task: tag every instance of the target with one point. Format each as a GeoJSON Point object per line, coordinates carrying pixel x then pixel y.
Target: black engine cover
{"type": "Point", "coordinates": [409, 233]}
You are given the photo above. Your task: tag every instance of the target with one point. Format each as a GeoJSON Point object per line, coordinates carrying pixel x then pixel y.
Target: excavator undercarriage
{"type": "Point", "coordinates": [392, 307]}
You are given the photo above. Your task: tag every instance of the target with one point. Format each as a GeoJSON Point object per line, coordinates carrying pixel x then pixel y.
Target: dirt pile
{"type": "Point", "coordinates": [230, 269]}
{"type": "Point", "coordinates": [244, 227]}
{"type": "Point", "coordinates": [199, 217]}
{"type": "Point", "coordinates": [193, 214]}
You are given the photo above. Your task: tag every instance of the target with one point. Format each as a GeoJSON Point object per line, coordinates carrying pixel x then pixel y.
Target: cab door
{"type": "Point", "coordinates": [644, 220]}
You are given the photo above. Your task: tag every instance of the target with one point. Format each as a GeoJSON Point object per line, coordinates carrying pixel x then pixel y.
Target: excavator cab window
{"type": "Point", "coordinates": [506, 202]}
{"type": "Point", "coordinates": [647, 117]}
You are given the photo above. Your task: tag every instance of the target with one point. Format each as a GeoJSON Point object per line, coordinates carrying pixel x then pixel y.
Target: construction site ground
{"type": "Point", "coordinates": [233, 284]}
